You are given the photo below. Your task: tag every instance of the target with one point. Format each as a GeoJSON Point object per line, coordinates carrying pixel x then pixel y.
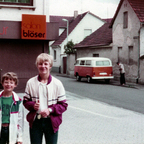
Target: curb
{"type": "Point", "coordinates": [112, 82]}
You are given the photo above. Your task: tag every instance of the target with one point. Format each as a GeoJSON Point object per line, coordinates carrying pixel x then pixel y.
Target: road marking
{"type": "Point", "coordinates": [92, 112]}
{"type": "Point", "coordinates": [74, 95]}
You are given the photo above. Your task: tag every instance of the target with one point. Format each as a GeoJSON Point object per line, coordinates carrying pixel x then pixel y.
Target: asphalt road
{"type": "Point", "coordinates": [127, 98]}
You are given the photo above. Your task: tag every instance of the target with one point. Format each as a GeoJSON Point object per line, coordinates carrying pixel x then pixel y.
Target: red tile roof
{"type": "Point", "coordinates": [72, 24]}
{"type": "Point", "coordinates": [137, 6]}
{"type": "Point", "coordinates": [60, 21]}
{"type": "Point", "coordinates": [101, 37]}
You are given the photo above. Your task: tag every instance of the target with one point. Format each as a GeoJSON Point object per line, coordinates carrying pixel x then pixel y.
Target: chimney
{"type": "Point", "coordinates": [75, 14]}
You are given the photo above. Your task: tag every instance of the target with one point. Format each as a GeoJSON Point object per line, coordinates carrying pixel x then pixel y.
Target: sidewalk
{"type": "Point", "coordinates": [128, 84]}
{"type": "Point", "coordinates": [91, 122]}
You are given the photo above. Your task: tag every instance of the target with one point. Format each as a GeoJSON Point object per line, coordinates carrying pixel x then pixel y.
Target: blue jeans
{"type": "Point", "coordinates": [40, 127]}
{"type": "Point", "coordinates": [4, 138]}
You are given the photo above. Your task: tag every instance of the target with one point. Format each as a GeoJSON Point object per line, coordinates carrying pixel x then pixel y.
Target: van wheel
{"type": "Point", "coordinates": [88, 79]}
{"type": "Point", "coordinates": [78, 78]}
{"type": "Point", "coordinates": [107, 81]}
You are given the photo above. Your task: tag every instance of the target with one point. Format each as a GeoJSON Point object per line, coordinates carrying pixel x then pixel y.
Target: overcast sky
{"type": "Point", "coordinates": [101, 8]}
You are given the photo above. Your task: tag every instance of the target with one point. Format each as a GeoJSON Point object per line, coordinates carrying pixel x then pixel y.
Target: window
{"type": "Point", "coordinates": [88, 62]}
{"type": "Point", "coordinates": [102, 63]}
{"type": "Point", "coordinates": [77, 62]}
{"type": "Point", "coordinates": [82, 62]}
{"type": "Point", "coordinates": [106, 63]}
{"type": "Point", "coordinates": [125, 20]}
{"type": "Point", "coordinates": [87, 32]}
{"type": "Point", "coordinates": [95, 55]}
{"type": "Point", "coordinates": [130, 55]}
{"type": "Point", "coordinates": [119, 53]}
{"type": "Point", "coordinates": [54, 54]}
{"type": "Point", "coordinates": [17, 2]}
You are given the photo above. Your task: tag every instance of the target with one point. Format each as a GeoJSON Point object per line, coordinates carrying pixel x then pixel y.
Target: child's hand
{"type": "Point", "coordinates": [36, 106]}
{"type": "Point", "coordinates": [19, 143]}
{"type": "Point", "coordinates": [45, 113]}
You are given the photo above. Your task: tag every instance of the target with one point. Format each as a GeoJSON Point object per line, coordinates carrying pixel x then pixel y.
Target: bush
{"type": "Point", "coordinates": [69, 48]}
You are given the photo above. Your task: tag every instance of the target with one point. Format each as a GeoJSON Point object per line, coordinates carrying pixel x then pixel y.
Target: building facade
{"type": "Point", "coordinates": [127, 42]}
{"type": "Point", "coordinates": [79, 27]}
{"type": "Point", "coordinates": [25, 32]}
{"type": "Point", "coordinates": [127, 26]}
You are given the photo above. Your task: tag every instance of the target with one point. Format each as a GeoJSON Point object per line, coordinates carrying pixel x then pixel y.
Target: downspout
{"type": "Point", "coordinates": [138, 72]}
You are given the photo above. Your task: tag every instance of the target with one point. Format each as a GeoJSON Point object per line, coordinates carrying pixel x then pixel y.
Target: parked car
{"type": "Point", "coordinates": [93, 68]}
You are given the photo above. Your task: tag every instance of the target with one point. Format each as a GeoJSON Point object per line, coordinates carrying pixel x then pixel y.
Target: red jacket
{"type": "Point", "coordinates": [56, 100]}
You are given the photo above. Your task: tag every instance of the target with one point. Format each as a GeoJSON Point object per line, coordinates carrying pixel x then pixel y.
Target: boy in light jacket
{"type": "Point", "coordinates": [45, 100]}
{"type": "Point", "coordinates": [11, 111]}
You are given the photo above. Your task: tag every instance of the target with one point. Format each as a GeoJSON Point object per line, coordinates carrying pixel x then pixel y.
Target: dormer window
{"type": "Point", "coordinates": [87, 32]}
{"type": "Point", "coordinates": [17, 2]}
{"type": "Point", "coordinates": [125, 20]}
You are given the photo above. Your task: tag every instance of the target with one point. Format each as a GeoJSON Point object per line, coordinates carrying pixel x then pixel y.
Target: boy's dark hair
{"type": "Point", "coordinates": [10, 75]}
{"type": "Point", "coordinates": [117, 63]}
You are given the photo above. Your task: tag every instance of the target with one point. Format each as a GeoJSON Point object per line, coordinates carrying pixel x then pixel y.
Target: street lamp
{"type": "Point", "coordinates": [67, 41]}
{"type": "Point", "coordinates": [67, 27]}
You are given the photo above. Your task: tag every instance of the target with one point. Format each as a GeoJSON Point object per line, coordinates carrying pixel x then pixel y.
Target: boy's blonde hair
{"type": "Point", "coordinates": [44, 57]}
{"type": "Point", "coordinates": [10, 75]}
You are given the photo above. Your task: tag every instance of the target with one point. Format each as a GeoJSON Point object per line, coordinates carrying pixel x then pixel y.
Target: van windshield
{"type": "Point", "coordinates": [77, 62]}
{"type": "Point", "coordinates": [102, 63]}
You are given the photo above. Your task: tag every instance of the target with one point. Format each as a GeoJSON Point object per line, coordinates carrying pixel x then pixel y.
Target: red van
{"type": "Point", "coordinates": [93, 68]}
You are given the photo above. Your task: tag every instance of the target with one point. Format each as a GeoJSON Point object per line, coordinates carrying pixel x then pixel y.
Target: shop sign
{"type": "Point", "coordinates": [10, 30]}
{"type": "Point", "coordinates": [4, 31]}
{"type": "Point", "coordinates": [33, 27]}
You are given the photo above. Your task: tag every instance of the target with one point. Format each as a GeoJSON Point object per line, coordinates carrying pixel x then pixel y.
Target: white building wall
{"type": "Point", "coordinates": [77, 35]}
{"type": "Point", "coordinates": [61, 31]}
{"type": "Point", "coordinates": [125, 38]}
{"type": "Point", "coordinates": [141, 79]}
{"type": "Point", "coordinates": [13, 13]}
{"type": "Point", "coordinates": [142, 41]}
{"type": "Point", "coordinates": [57, 62]}
{"type": "Point", "coordinates": [102, 51]}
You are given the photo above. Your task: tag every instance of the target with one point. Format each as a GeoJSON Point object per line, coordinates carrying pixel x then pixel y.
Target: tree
{"type": "Point", "coordinates": [69, 48]}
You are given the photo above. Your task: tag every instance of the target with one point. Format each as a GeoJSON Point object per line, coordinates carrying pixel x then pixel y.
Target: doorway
{"type": "Point", "coordinates": [64, 65]}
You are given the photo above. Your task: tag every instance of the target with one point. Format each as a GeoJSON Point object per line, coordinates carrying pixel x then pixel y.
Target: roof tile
{"type": "Point", "coordinates": [59, 20]}
{"type": "Point", "coordinates": [101, 37]}
{"type": "Point", "coordinates": [137, 6]}
{"type": "Point", "coordinates": [72, 24]}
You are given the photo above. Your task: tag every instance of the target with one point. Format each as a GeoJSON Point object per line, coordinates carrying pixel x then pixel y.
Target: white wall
{"type": "Point", "coordinates": [142, 41]}
{"type": "Point", "coordinates": [15, 14]}
{"type": "Point", "coordinates": [125, 38]}
{"type": "Point", "coordinates": [56, 62]}
{"type": "Point", "coordinates": [61, 31]}
{"type": "Point", "coordinates": [77, 35]}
